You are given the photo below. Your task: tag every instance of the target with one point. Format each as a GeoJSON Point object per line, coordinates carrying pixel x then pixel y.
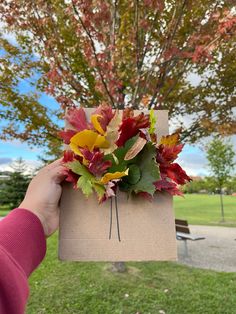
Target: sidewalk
{"type": "Point", "coordinates": [216, 252]}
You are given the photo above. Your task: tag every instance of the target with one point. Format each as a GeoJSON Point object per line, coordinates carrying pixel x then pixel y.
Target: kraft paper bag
{"type": "Point", "coordinates": [138, 230]}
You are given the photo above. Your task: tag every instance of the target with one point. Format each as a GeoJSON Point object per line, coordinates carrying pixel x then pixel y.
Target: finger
{"type": "Point", "coordinates": [59, 173]}
{"type": "Point", "coordinates": [55, 163]}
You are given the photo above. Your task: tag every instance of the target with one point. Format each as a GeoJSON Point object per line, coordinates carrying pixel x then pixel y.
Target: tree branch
{"type": "Point", "coordinates": [95, 54]}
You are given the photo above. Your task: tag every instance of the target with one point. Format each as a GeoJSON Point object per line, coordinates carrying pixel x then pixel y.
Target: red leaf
{"type": "Point", "coordinates": [167, 186]}
{"type": "Point", "coordinates": [131, 127]}
{"type": "Point", "coordinates": [106, 114]}
{"type": "Point", "coordinates": [68, 156]}
{"type": "Point", "coordinates": [66, 135]}
{"type": "Point", "coordinates": [77, 118]}
{"type": "Point", "coordinates": [175, 173]}
{"type": "Point", "coordinates": [146, 195]}
{"type": "Point", "coordinates": [97, 165]}
{"type": "Point", "coordinates": [167, 154]}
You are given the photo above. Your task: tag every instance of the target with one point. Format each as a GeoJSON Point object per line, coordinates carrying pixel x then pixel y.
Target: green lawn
{"type": "Point", "coordinates": [90, 288]}
{"type": "Point", "coordinates": [198, 209]}
{"type": "Point", "coordinates": [205, 209]}
{"type": "Point", "coordinates": [4, 210]}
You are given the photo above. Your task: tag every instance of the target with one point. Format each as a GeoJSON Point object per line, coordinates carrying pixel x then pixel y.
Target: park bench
{"type": "Point", "coordinates": [183, 234]}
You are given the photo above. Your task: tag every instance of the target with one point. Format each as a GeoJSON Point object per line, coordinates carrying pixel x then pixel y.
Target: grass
{"type": "Point", "coordinates": [201, 209]}
{"type": "Point", "coordinates": [198, 209]}
{"type": "Point", "coordinates": [4, 210]}
{"type": "Point", "coordinates": [91, 288]}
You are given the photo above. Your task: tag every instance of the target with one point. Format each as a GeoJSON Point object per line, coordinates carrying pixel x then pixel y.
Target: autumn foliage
{"type": "Point", "coordinates": [119, 53]}
{"type": "Point", "coordinates": [105, 155]}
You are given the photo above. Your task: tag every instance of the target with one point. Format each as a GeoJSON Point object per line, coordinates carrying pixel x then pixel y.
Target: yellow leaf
{"type": "Point", "coordinates": [89, 139]}
{"type": "Point", "coordinates": [170, 140]}
{"type": "Point", "coordinates": [96, 123]}
{"type": "Point", "coordinates": [75, 149]}
{"type": "Point", "coordinates": [112, 176]}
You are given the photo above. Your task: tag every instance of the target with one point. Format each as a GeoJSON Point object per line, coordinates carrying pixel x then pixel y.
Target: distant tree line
{"type": "Point", "coordinates": [210, 186]}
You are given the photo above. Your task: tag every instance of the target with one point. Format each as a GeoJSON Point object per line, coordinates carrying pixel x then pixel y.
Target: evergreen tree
{"type": "Point", "coordinates": [13, 189]}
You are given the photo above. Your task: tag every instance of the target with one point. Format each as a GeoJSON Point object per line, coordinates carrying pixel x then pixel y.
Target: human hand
{"type": "Point", "coordinates": [43, 195]}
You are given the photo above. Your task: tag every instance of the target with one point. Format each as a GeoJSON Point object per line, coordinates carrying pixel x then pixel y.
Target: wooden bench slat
{"type": "Point", "coordinates": [183, 229]}
{"type": "Point", "coordinates": [181, 222]}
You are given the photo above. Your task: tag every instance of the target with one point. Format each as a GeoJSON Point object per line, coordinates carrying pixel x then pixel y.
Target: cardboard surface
{"type": "Point", "coordinates": [147, 229]}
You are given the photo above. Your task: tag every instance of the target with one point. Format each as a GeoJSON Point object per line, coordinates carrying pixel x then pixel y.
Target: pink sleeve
{"type": "Point", "coordinates": [22, 248]}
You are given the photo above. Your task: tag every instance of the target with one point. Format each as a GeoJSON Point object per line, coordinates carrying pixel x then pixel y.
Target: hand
{"type": "Point", "coordinates": [43, 195]}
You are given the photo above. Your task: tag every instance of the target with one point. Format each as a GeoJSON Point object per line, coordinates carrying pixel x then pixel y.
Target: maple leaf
{"type": "Point", "coordinates": [149, 171]}
{"type": "Point", "coordinates": [72, 178]}
{"type": "Point", "coordinates": [68, 155]}
{"type": "Point", "coordinates": [97, 165]}
{"type": "Point", "coordinates": [77, 118]}
{"type": "Point", "coordinates": [104, 114]}
{"type": "Point", "coordinates": [170, 140]}
{"type": "Point", "coordinates": [167, 186]}
{"type": "Point", "coordinates": [175, 172]}
{"type": "Point", "coordinates": [100, 190]}
{"type": "Point", "coordinates": [131, 126]}
{"type": "Point", "coordinates": [133, 177]}
{"type": "Point", "coordinates": [66, 135]}
{"type": "Point", "coordinates": [85, 185]}
{"type": "Point", "coordinates": [167, 154]}
{"type": "Point", "coordinates": [87, 181]}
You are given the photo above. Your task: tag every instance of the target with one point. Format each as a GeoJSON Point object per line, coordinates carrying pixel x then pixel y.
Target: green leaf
{"type": "Point", "coordinates": [85, 185]}
{"type": "Point", "coordinates": [79, 169]}
{"type": "Point", "coordinates": [149, 170]}
{"type": "Point", "coordinates": [100, 190]}
{"type": "Point", "coordinates": [153, 121]}
{"type": "Point", "coordinates": [87, 181]}
{"type": "Point", "coordinates": [118, 162]}
{"type": "Point", "coordinates": [134, 174]}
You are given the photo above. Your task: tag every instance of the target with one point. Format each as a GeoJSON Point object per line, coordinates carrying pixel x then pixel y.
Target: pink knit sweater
{"type": "Point", "coordinates": [22, 248]}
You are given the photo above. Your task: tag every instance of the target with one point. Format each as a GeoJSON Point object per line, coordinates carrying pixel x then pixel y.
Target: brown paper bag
{"type": "Point", "coordinates": [90, 232]}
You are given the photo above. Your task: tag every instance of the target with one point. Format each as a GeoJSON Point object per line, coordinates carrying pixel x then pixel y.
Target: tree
{"type": "Point", "coordinates": [220, 156]}
{"type": "Point", "coordinates": [137, 53]}
{"type": "Point", "coordinates": [13, 189]}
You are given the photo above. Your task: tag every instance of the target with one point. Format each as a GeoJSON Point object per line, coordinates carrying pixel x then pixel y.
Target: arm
{"type": "Point", "coordinates": [22, 236]}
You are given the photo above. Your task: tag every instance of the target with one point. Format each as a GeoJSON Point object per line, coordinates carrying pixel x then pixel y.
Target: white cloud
{"type": "Point", "coordinates": [31, 166]}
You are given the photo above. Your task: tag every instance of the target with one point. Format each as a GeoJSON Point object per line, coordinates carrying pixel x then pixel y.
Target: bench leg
{"type": "Point", "coordinates": [185, 248]}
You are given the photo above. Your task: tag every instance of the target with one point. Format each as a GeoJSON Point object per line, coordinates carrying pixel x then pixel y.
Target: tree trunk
{"type": "Point", "coordinates": [222, 206]}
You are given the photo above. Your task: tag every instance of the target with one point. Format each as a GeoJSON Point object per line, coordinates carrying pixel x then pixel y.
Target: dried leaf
{"type": "Point", "coordinates": [135, 149]}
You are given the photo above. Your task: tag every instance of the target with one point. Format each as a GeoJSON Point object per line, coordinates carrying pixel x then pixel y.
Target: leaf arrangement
{"type": "Point", "coordinates": [113, 151]}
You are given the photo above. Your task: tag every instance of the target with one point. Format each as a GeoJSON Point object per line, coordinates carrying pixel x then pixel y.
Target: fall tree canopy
{"type": "Point", "coordinates": [119, 52]}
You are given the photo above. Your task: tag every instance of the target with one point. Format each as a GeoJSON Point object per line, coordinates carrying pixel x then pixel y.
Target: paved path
{"type": "Point", "coordinates": [216, 252]}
